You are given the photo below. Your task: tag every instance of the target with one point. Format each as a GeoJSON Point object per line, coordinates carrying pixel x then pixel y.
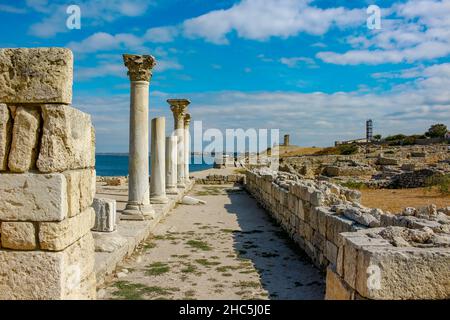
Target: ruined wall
{"type": "Point", "coordinates": [367, 253]}
{"type": "Point", "coordinates": [47, 179]}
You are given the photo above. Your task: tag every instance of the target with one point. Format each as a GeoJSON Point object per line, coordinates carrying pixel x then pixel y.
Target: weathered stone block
{"type": "Point", "coordinates": [5, 136]}
{"type": "Point", "coordinates": [38, 75]}
{"type": "Point", "coordinates": [56, 236]}
{"type": "Point", "coordinates": [403, 273]}
{"type": "Point", "coordinates": [25, 139]}
{"type": "Point", "coordinates": [80, 190]}
{"type": "Point", "coordinates": [67, 140]}
{"type": "Point", "coordinates": [18, 235]}
{"type": "Point", "coordinates": [336, 288]}
{"type": "Point", "coordinates": [33, 197]}
{"type": "Point", "coordinates": [105, 215]}
{"type": "Point", "coordinates": [331, 252]}
{"type": "Point", "coordinates": [41, 275]}
{"type": "Point", "coordinates": [335, 225]}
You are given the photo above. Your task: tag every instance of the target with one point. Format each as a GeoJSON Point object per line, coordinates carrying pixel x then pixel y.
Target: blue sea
{"type": "Point", "coordinates": [117, 164]}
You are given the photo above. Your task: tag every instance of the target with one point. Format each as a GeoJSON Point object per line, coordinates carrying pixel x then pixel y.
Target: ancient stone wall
{"type": "Point", "coordinates": [47, 179]}
{"type": "Point", "coordinates": [365, 251]}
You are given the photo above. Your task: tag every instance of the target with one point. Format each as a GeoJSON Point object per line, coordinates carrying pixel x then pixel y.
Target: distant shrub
{"type": "Point", "coordinates": [342, 149]}
{"type": "Point", "coordinates": [442, 183]}
{"type": "Point", "coordinates": [353, 185]}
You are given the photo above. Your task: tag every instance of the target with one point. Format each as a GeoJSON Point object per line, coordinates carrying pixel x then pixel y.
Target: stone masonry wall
{"type": "Point", "coordinates": [368, 254]}
{"type": "Point", "coordinates": [47, 179]}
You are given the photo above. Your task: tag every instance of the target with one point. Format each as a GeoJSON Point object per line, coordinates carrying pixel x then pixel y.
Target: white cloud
{"type": "Point", "coordinates": [93, 13]}
{"type": "Point", "coordinates": [161, 34]}
{"type": "Point", "coordinates": [413, 31]}
{"type": "Point", "coordinates": [293, 62]}
{"type": "Point", "coordinates": [11, 9]}
{"type": "Point", "coordinates": [315, 118]}
{"type": "Point", "coordinates": [262, 19]}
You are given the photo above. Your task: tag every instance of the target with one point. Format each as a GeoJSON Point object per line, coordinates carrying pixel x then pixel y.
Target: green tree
{"type": "Point", "coordinates": [437, 131]}
{"type": "Point", "coordinates": [377, 137]}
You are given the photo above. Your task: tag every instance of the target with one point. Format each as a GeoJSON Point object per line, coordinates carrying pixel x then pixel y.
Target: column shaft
{"type": "Point", "coordinates": [158, 162]}
{"type": "Point", "coordinates": [171, 165]}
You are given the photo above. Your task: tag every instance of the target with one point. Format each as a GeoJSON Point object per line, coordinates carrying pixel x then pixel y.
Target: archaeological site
{"type": "Point", "coordinates": [274, 225]}
{"type": "Point", "coordinates": [224, 159]}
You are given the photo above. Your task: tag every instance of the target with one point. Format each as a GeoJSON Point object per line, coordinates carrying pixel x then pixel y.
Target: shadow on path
{"type": "Point", "coordinates": [285, 270]}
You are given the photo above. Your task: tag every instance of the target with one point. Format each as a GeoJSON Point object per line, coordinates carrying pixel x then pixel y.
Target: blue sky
{"type": "Point", "coordinates": [309, 68]}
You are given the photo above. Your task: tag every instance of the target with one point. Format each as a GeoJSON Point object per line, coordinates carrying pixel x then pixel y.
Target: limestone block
{"type": "Point", "coordinates": [108, 242]}
{"type": "Point", "coordinates": [331, 252]}
{"type": "Point", "coordinates": [43, 275]}
{"type": "Point", "coordinates": [335, 225]}
{"type": "Point", "coordinates": [25, 139]}
{"type": "Point", "coordinates": [33, 197]}
{"type": "Point", "coordinates": [18, 235]}
{"type": "Point", "coordinates": [56, 236]}
{"type": "Point", "coordinates": [105, 215]}
{"type": "Point", "coordinates": [80, 190]}
{"type": "Point", "coordinates": [318, 241]}
{"type": "Point", "coordinates": [37, 75]}
{"type": "Point", "coordinates": [5, 135]}
{"type": "Point", "coordinates": [322, 213]}
{"type": "Point", "coordinates": [67, 141]}
{"type": "Point", "coordinates": [403, 273]}
{"type": "Point", "coordinates": [336, 288]}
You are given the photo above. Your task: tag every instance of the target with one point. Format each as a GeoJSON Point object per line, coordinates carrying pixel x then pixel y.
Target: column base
{"type": "Point", "coordinates": [181, 185]}
{"type": "Point", "coordinates": [159, 199]}
{"type": "Point", "coordinates": [172, 190]}
{"type": "Point", "coordinates": [135, 211]}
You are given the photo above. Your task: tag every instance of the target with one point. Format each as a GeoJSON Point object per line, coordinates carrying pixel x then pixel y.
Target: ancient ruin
{"type": "Point", "coordinates": [65, 233]}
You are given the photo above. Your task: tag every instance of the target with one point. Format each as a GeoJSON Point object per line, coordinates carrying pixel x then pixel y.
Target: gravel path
{"type": "Point", "coordinates": [226, 249]}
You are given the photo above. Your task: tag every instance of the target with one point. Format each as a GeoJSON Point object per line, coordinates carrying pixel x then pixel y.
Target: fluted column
{"type": "Point", "coordinates": [187, 146]}
{"type": "Point", "coordinates": [139, 70]}
{"type": "Point", "coordinates": [171, 165]}
{"type": "Point", "coordinates": [179, 108]}
{"type": "Point", "coordinates": [158, 162]}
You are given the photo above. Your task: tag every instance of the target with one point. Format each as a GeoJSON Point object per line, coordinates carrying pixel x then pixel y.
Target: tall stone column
{"type": "Point", "coordinates": [139, 71]}
{"type": "Point", "coordinates": [187, 146]}
{"type": "Point", "coordinates": [179, 108]}
{"type": "Point", "coordinates": [171, 165]}
{"type": "Point", "coordinates": [158, 163]}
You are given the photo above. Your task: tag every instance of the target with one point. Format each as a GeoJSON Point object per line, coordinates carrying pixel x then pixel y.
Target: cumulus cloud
{"type": "Point", "coordinates": [293, 62]}
{"type": "Point", "coordinates": [161, 34]}
{"type": "Point", "coordinates": [413, 31]}
{"type": "Point", "coordinates": [93, 12]}
{"type": "Point", "coordinates": [262, 19]}
{"type": "Point", "coordinates": [315, 118]}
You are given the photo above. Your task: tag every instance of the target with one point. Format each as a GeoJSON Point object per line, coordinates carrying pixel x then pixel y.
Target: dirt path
{"type": "Point", "coordinates": [226, 249]}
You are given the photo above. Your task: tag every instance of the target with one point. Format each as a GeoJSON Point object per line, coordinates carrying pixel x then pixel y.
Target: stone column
{"type": "Point", "coordinates": [158, 153]}
{"type": "Point", "coordinates": [171, 165]}
{"type": "Point", "coordinates": [187, 146]}
{"type": "Point", "coordinates": [139, 71]}
{"type": "Point", "coordinates": [178, 107]}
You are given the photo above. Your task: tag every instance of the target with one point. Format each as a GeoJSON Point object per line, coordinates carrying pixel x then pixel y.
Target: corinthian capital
{"type": "Point", "coordinates": [178, 107]}
{"type": "Point", "coordinates": [139, 67]}
{"type": "Point", "coordinates": [187, 120]}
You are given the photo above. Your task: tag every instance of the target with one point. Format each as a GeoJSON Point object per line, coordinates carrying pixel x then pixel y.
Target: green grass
{"type": "Point", "coordinates": [189, 268]}
{"type": "Point", "coordinates": [248, 284]}
{"type": "Point", "coordinates": [157, 268]}
{"type": "Point", "coordinates": [206, 263]}
{"type": "Point", "coordinates": [137, 291]}
{"type": "Point", "coordinates": [197, 244]}
{"type": "Point", "coordinates": [149, 245]}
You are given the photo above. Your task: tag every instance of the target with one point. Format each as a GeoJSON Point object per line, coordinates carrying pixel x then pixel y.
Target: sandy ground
{"type": "Point", "coordinates": [395, 200]}
{"type": "Point", "coordinates": [226, 249]}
